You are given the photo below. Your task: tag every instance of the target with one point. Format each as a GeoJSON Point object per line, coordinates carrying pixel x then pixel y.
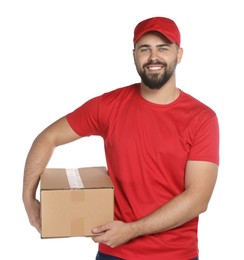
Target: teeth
{"type": "Point", "coordinates": [154, 68]}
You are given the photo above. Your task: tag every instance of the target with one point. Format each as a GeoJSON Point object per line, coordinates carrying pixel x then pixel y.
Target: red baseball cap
{"type": "Point", "coordinates": [163, 25]}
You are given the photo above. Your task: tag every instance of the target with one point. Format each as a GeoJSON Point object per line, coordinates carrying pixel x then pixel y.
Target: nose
{"type": "Point", "coordinates": [153, 55]}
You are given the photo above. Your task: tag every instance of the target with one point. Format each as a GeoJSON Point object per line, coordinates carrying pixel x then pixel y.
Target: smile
{"type": "Point", "coordinates": [155, 68]}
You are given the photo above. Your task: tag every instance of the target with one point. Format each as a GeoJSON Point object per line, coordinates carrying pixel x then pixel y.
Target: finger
{"type": "Point", "coordinates": [99, 239]}
{"type": "Point", "coordinates": [94, 238]}
{"type": "Point", "coordinates": [38, 228]}
{"type": "Point", "coordinates": [100, 229]}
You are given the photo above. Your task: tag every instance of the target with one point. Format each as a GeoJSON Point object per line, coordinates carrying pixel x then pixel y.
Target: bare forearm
{"type": "Point", "coordinates": [36, 162]}
{"type": "Point", "coordinates": [41, 151]}
{"type": "Point", "coordinates": [175, 213]}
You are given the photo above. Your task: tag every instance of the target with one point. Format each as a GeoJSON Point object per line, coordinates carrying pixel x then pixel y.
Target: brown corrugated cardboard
{"type": "Point", "coordinates": [73, 201]}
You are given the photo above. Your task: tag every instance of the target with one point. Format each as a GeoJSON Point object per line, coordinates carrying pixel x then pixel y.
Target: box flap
{"type": "Point", "coordinates": [95, 177]}
{"type": "Point", "coordinates": [88, 177]}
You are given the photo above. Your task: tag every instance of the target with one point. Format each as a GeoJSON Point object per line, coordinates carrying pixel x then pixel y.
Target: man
{"type": "Point", "coordinates": [162, 152]}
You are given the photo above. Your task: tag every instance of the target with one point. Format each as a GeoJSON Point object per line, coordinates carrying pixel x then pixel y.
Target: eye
{"type": "Point", "coordinates": [144, 49]}
{"type": "Point", "coordinates": [161, 49]}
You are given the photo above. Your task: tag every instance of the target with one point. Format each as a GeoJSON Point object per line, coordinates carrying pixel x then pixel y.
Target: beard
{"type": "Point", "coordinates": [157, 80]}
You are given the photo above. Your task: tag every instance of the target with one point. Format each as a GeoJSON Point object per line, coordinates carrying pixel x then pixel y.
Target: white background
{"type": "Point", "coordinates": [55, 55]}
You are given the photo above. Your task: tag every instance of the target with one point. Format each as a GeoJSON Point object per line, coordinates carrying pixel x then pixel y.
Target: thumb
{"type": "Point", "coordinates": [100, 229]}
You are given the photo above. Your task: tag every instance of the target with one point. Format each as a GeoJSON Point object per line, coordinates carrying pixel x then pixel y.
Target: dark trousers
{"type": "Point", "coordinates": [101, 256]}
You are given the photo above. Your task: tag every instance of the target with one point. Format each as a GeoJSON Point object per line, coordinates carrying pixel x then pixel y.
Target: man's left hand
{"type": "Point", "coordinates": [113, 234]}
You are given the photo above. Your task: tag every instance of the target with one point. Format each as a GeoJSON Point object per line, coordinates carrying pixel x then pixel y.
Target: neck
{"type": "Point", "coordinates": [165, 95]}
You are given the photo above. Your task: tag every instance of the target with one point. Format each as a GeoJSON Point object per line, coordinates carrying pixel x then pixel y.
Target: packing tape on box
{"type": "Point", "coordinates": [74, 179]}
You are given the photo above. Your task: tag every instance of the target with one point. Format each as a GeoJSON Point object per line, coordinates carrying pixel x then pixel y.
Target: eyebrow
{"type": "Point", "coordinates": [159, 45]}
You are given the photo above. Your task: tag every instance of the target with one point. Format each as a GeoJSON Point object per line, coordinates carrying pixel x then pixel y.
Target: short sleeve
{"type": "Point", "coordinates": [205, 145]}
{"type": "Point", "coordinates": [85, 119]}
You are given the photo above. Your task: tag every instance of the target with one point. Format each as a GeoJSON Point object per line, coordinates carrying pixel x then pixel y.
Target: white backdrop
{"type": "Point", "coordinates": [55, 55]}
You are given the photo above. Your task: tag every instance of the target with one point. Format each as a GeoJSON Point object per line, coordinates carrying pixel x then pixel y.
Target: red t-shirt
{"type": "Point", "coordinates": [147, 146]}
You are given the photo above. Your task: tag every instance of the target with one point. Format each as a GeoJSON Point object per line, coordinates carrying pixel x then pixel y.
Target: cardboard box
{"type": "Point", "coordinates": [73, 201]}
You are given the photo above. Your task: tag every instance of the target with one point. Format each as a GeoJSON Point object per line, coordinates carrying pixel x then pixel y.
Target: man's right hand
{"type": "Point", "coordinates": [33, 212]}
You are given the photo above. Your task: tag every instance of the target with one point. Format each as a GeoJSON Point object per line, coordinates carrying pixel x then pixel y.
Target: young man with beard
{"type": "Point", "coordinates": [162, 152]}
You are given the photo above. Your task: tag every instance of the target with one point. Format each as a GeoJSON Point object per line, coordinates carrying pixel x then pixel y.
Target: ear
{"type": "Point", "coordinates": [179, 55]}
{"type": "Point", "coordinates": [134, 55]}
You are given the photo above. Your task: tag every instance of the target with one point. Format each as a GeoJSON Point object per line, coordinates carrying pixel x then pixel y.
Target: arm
{"type": "Point", "coordinates": [38, 157]}
{"type": "Point", "coordinates": [200, 180]}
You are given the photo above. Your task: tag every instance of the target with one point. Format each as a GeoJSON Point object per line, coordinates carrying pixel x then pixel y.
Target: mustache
{"type": "Point", "coordinates": [155, 63]}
